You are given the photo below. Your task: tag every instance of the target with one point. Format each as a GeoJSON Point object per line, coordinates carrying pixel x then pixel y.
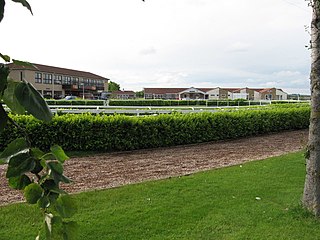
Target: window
{"type": "Point", "coordinates": [38, 78]}
{"type": "Point", "coordinates": [75, 80]}
{"type": "Point", "coordinates": [57, 79]}
{"type": "Point", "coordinates": [64, 80]}
{"type": "Point", "coordinates": [99, 83]}
{"type": "Point", "coordinates": [47, 78]}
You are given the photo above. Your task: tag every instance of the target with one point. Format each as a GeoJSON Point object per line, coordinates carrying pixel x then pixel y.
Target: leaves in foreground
{"type": "Point", "coordinates": [30, 170]}
{"type": "Point", "coordinates": [32, 101]}
{"type": "Point", "coordinates": [24, 3]}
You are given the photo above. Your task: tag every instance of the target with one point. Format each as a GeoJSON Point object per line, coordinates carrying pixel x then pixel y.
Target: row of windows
{"type": "Point", "coordinates": [47, 78]}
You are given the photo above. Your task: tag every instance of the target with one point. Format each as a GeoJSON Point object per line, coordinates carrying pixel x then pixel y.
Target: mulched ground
{"type": "Point", "coordinates": [116, 169]}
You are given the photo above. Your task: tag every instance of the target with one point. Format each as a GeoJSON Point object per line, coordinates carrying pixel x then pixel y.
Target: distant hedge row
{"type": "Point", "coordinates": [160, 102]}
{"type": "Point", "coordinates": [238, 102]}
{"type": "Point", "coordinates": [76, 102]}
{"type": "Point", "coordinates": [113, 133]}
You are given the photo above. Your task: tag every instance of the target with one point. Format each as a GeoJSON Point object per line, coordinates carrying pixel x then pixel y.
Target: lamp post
{"type": "Point", "coordinates": [82, 84]}
{"type": "Point", "coordinates": [83, 91]}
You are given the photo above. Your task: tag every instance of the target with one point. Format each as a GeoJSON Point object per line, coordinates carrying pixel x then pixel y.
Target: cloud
{"type": "Point", "coordinates": [197, 2]}
{"type": "Point", "coordinates": [286, 73]}
{"type": "Point", "coordinates": [239, 47]}
{"type": "Point", "coordinates": [148, 51]}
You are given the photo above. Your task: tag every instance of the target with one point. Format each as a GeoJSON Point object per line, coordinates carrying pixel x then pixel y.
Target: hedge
{"type": "Point", "coordinates": [76, 102]}
{"type": "Point", "coordinates": [159, 102]}
{"type": "Point", "coordinates": [85, 132]}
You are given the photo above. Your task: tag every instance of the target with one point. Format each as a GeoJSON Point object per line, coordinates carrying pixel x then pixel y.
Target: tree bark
{"type": "Point", "coordinates": [311, 195]}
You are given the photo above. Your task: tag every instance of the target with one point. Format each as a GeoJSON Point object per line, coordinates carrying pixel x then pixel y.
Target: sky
{"type": "Point", "coordinates": [167, 43]}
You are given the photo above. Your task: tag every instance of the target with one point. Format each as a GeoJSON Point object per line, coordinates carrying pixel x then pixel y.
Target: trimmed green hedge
{"type": "Point", "coordinates": [237, 102]}
{"type": "Point", "coordinates": [76, 102]}
{"type": "Point", "coordinates": [113, 133]}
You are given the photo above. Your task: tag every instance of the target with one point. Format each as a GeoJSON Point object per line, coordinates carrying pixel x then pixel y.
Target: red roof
{"type": "Point", "coordinates": [163, 90]}
{"type": "Point", "coordinates": [178, 90]}
{"type": "Point", "coordinates": [263, 90]}
{"type": "Point", "coordinates": [123, 92]}
{"type": "Point", "coordinates": [57, 70]}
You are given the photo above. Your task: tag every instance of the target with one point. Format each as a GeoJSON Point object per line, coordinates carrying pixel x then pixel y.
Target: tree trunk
{"type": "Point", "coordinates": [311, 195]}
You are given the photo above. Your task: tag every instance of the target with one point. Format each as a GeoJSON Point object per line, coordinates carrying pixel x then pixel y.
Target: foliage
{"type": "Point", "coordinates": [36, 173]}
{"type": "Point", "coordinates": [76, 102]}
{"type": "Point", "coordinates": [111, 133]}
{"type": "Point", "coordinates": [140, 94]}
{"type": "Point", "coordinates": [160, 102]}
{"type": "Point", "coordinates": [112, 86]}
{"type": "Point", "coordinates": [216, 204]}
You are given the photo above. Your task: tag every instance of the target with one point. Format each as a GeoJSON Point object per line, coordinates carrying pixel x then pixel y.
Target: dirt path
{"type": "Point", "coordinates": [116, 169]}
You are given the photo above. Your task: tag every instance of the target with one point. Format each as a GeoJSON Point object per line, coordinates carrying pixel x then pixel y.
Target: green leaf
{"type": "Point", "coordinates": [19, 182]}
{"type": "Point", "coordinates": [33, 192]}
{"type": "Point", "coordinates": [59, 153]}
{"type": "Point", "coordinates": [36, 153]}
{"type": "Point", "coordinates": [32, 101]}
{"type": "Point", "coordinates": [55, 167]}
{"type": "Point", "coordinates": [20, 164]}
{"type": "Point", "coordinates": [44, 202]}
{"type": "Point", "coordinates": [25, 4]}
{"type": "Point", "coordinates": [65, 206]}
{"type": "Point", "coordinates": [56, 171]}
{"type": "Point", "coordinates": [38, 167]}
{"type": "Point", "coordinates": [23, 63]}
{"type": "Point", "coordinates": [70, 230]}
{"type": "Point", "coordinates": [4, 73]}
{"type": "Point", "coordinates": [52, 186]}
{"type": "Point", "coordinates": [10, 98]}
{"type": "Point", "coordinates": [3, 119]}
{"type": "Point", "coordinates": [16, 146]}
{"type": "Point", "coordinates": [2, 4]}
{"type": "Point", "coordinates": [53, 197]}
{"type": "Point", "coordinates": [6, 58]}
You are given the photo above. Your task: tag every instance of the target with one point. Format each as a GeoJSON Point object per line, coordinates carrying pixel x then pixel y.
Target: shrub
{"type": "Point", "coordinates": [113, 133]}
{"type": "Point", "coordinates": [75, 102]}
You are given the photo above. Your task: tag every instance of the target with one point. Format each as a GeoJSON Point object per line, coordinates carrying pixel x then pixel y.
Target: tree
{"type": "Point", "coordinates": [140, 94]}
{"type": "Point", "coordinates": [36, 173]}
{"type": "Point", "coordinates": [112, 86]}
{"type": "Point", "coordinates": [311, 195]}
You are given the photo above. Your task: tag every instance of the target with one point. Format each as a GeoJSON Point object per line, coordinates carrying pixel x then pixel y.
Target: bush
{"type": "Point", "coordinates": [160, 102]}
{"type": "Point", "coordinates": [113, 133]}
{"type": "Point", "coordinates": [76, 102]}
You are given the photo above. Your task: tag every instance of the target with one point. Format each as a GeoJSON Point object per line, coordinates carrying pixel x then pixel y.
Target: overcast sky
{"type": "Point", "coordinates": [167, 43]}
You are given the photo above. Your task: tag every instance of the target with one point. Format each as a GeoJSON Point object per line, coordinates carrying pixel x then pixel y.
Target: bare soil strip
{"type": "Point", "coordinates": [116, 169]}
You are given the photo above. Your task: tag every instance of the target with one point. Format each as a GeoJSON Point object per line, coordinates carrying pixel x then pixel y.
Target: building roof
{"type": "Point", "coordinates": [231, 89]}
{"type": "Point", "coordinates": [205, 90]}
{"type": "Point", "coordinates": [263, 90]}
{"type": "Point", "coordinates": [56, 70]}
{"type": "Point", "coordinates": [163, 90]}
{"type": "Point", "coordinates": [123, 92]}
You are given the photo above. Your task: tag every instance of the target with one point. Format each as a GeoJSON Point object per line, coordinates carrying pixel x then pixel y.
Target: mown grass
{"type": "Point", "coordinates": [218, 204]}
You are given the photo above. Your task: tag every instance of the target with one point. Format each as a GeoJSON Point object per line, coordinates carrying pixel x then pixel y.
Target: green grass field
{"type": "Point", "coordinates": [217, 204]}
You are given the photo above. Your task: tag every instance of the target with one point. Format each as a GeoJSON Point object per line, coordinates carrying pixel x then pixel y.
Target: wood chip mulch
{"type": "Point", "coordinates": [119, 168]}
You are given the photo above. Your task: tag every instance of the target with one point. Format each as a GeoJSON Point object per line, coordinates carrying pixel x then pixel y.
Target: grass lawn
{"type": "Point", "coordinates": [218, 204]}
